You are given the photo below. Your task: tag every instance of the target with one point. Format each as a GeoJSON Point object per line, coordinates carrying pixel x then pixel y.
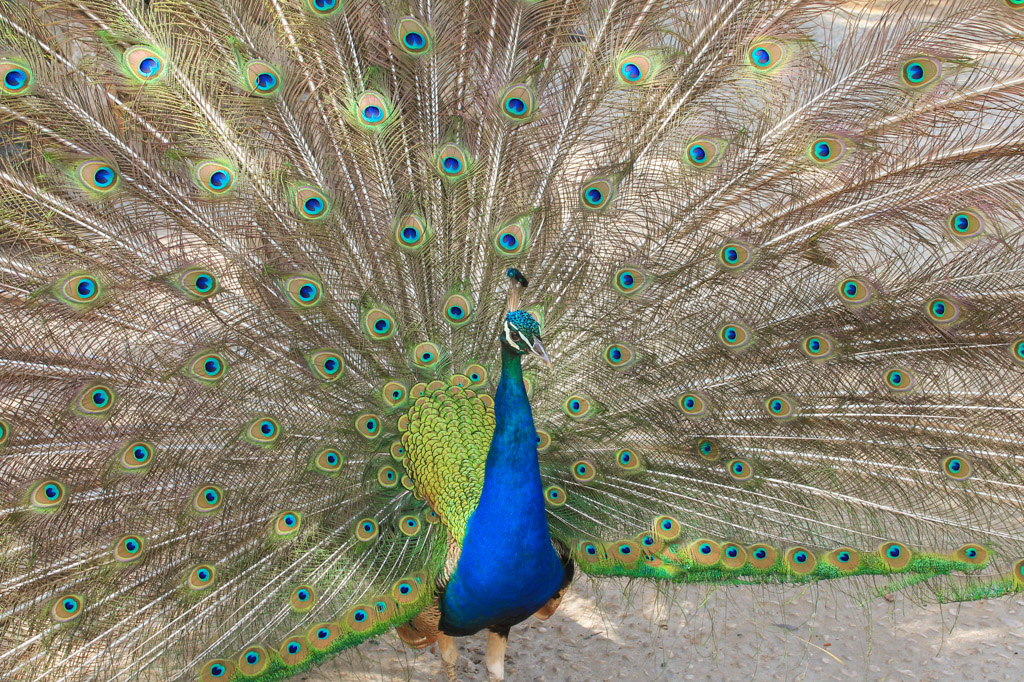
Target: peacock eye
{"type": "Point", "coordinates": [516, 336]}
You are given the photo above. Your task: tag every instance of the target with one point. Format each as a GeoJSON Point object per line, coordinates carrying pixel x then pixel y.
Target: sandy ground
{"type": "Point", "coordinates": [748, 634]}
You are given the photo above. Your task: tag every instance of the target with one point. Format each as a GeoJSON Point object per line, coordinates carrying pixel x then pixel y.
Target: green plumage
{"type": "Point", "coordinates": [253, 269]}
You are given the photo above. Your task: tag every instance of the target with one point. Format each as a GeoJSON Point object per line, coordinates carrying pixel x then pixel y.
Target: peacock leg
{"type": "Point", "coordinates": [495, 656]}
{"type": "Point", "coordinates": [449, 654]}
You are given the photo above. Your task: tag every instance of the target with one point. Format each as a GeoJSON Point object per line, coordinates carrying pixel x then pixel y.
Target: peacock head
{"type": "Point", "coordinates": [520, 334]}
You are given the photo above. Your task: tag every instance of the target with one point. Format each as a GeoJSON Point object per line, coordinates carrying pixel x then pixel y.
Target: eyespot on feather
{"type": "Point", "coordinates": [629, 280]}
{"type": "Point", "coordinates": [328, 461]}
{"type": "Point", "coordinates": [17, 78]}
{"type": "Point", "coordinates": [800, 560]}
{"type": "Point", "coordinates": [67, 608]}
{"type": "Point", "coordinates": [734, 256]}
{"type": "Point", "coordinates": [957, 467]}
{"type": "Point", "coordinates": [920, 71]}
{"type": "Point", "coordinates": [198, 283]}
{"type": "Point", "coordinates": [899, 380]}
{"type": "Point", "coordinates": [214, 177]}
{"type": "Point", "coordinates": [452, 161]}
{"type": "Point", "coordinates": [368, 425]}
{"type": "Point", "coordinates": [262, 78]}
{"type": "Point", "coordinates": [302, 598]}
{"type": "Point", "coordinates": [263, 431]}
{"type": "Point", "coordinates": [625, 552]}
{"type": "Point", "coordinates": [426, 354]}
{"type": "Point", "coordinates": [597, 194]}
{"type": "Point", "coordinates": [80, 291]}
{"type": "Point", "coordinates": [405, 591]}
{"type": "Point", "coordinates": [693, 405]}
{"type": "Point", "coordinates": [413, 37]}
{"type": "Point", "coordinates": [707, 449]}
{"type": "Point", "coordinates": [96, 400]}
{"type": "Point", "coordinates": [762, 557]}
{"type": "Point", "coordinates": [826, 150]}
{"type": "Point", "coordinates": [373, 109]}
{"type": "Point", "coordinates": [322, 635]}
{"type": "Point", "coordinates": [287, 523]}
{"type": "Point", "coordinates": [734, 336]}
{"type": "Point", "coordinates": [326, 364]}
{"type": "Point", "coordinates": [409, 525]}
{"type": "Point", "coordinates": [667, 528]}
{"type": "Point", "coordinates": [818, 347]}
{"type": "Point", "coordinates": [99, 177]}
{"type": "Point", "coordinates": [766, 54]}
{"type": "Point", "coordinates": [512, 237]}
{"type": "Point", "coordinates": [253, 661]}
{"type": "Point", "coordinates": [5, 432]}
{"type": "Point", "coordinates": [367, 530]}
{"type": "Point", "coordinates": [894, 555]}
{"type": "Point", "coordinates": [780, 407]}
{"type": "Point", "coordinates": [583, 471]}
{"type": "Point", "coordinates": [201, 577]}
{"type": "Point", "coordinates": [294, 650]}
{"type": "Point", "coordinates": [411, 232]}
{"type": "Point", "coordinates": [634, 69]}
{"type": "Point", "coordinates": [855, 292]}
{"type": "Point", "coordinates": [208, 498]}
{"type": "Point", "coordinates": [309, 203]}
{"type": "Point", "coordinates": [378, 324]}
{"type": "Point", "coordinates": [554, 496]}
{"type": "Point", "coordinates": [705, 552]}
{"type": "Point", "coordinates": [543, 440]}
{"type": "Point", "coordinates": [972, 554]}
{"type": "Point", "coordinates": [144, 63]}
{"type": "Point", "coordinates": [207, 368]}
{"type": "Point", "coordinates": [740, 470]}
{"type": "Point", "coordinates": [394, 394]}
{"type": "Point", "coordinates": [303, 291]}
{"type": "Point", "coordinates": [518, 103]}
{"type": "Point", "coordinates": [577, 406]}
{"type": "Point", "coordinates": [590, 551]}
{"type": "Point", "coordinates": [458, 310]}
{"type": "Point", "coordinates": [845, 559]}
{"type": "Point", "coordinates": [942, 312]}
{"type": "Point", "coordinates": [733, 556]}
{"type": "Point", "coordinates": [966, 224]}
{"type": "Point", "coordinates": [361, 617]}
{"type": "Point", "coordinates": [702, 153]}
{"type": "Point", "coordinates": [216, 670]}
{"type": "Point", "coordinates": [618, 355]}
{"type": "Point", "coordinates": [323, 8]}
{"type": "Point", "coordinates": [387, 476]}
{"type": "Point", "coordinates": [47, 495]}
{"type": "Point", "coordinates": [128, 548]}
{"type": "Point", "coordinates": [476, 374]}
{"type": "Point", "coordinates": [628, 459]}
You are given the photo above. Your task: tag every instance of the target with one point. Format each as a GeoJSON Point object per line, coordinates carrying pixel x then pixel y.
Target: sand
{"type": "Point", "coordinates": [748, 634]}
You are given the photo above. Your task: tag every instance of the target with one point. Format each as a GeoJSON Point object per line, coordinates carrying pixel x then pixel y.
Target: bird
{"type": "Point", "coordinates": [326, 319]}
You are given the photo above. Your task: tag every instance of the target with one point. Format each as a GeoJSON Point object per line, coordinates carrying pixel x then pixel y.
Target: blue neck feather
{"type": "Point", "coordinates": [508, 568]}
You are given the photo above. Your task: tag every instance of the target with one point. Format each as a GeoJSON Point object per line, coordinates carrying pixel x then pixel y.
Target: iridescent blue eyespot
{"type": "Point", "coordinates": [631, 71]}
{"type": "Point", "coordinates": [294, 647]}
{"type": "Point", "coordinates": [451, 164]}
{"type": "Point", "coordinates": [414, 40]}
{"type": "Point", "coordinates": [372, 114]}
{"type": "Point", "coordinates": [761, 56]}
{"type": "Point", "coordinates": [760, 554]}
{"type": "Point", "coordinates": [705, 548]}
{"type": "Point", "coordinates": [15, 79]}
{"type": "Point", "coordinates": [252, 658]}
{"type": "Point", "coordinates": [732, 552]}
{"type": "Point", "coordinates": [103, 176]}
{"type": "Point", "coordinates": [594, 196]}
{"type": "Point", "coordinates": [219, 179]}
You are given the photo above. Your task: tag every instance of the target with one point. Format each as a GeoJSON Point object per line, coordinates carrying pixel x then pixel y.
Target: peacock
{"type": "Point", "coordinates": [328, 318]}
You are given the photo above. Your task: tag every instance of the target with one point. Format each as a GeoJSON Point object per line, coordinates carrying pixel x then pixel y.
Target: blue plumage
{"type": "Point", "coordinates": [508, 567]}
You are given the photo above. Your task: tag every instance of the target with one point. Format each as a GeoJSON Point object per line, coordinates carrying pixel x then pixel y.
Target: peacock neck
{"type": "Point", "coordinates": [513, 455]}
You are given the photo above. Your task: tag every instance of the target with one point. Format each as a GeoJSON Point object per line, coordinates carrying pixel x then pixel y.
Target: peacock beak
{"type": "Point", "coordinates": [538, 350]}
